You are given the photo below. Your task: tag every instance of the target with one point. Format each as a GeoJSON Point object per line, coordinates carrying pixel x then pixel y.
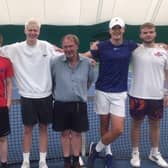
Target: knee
{"type": "Point", "coordinates": [118, 131]}
{"type": "Point", "coordinates": [28, 130]}
{"type": "Point", "coordinates": [65, 134]}
{"type": "Point", "coordinates": [3, 139]}
{"type": "Point", "coordinates": [76, 134]}
{"type": "Point", "coordinates": [104, 130]}
{"type": "Point", "coordinates": [43, 127]}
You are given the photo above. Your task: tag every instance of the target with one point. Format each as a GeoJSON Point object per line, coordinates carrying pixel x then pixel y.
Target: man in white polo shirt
{"type": "Point", "coordinates": [149, 68]}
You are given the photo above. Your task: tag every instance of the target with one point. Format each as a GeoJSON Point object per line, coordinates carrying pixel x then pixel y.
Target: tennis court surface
{"type": "Point", "coordinates": [121, 147]}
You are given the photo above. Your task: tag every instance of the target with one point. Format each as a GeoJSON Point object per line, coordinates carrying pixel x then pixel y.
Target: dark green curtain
{"type": "Point", "coordinates": [86, 34]}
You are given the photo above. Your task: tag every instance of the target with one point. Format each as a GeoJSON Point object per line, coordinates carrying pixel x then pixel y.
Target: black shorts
{"type": "Point", "coordinates": [4, 122]}
{"type": "Point", "coordinates": [36, 110]}
{"type": "Point", "coordinates": [70, 115]}
{"type": "Point", "coordinates": [141, 107]}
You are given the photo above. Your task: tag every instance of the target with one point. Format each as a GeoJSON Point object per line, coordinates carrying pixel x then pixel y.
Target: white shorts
{"type": "Point", "coordinates": [113, 103]}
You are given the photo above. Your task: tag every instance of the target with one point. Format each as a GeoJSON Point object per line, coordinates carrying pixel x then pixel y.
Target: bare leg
{"type": "Point", "coordinates": [135, 132]}
{"type": "Point", "coordinates": [154, 127]}
{"type": "Point", "coordinates": [135, 138]}
{"type": "Point", "coordinates": [104, 124]}
{"type": "Point", "coordinates": [116, 130]}
{"type": "Point", "coordinates": [43, 137]}
{"type": "Point", "coordinates": [104, 127]}
{"type": "Point", "coordinates": [27, 138]}
{"type": "Point", "coordinates": [66, 143]}
{"type": "Point", "coordinates": [3, 149]}
{"type": "Point", "coordinates": [76, 143]}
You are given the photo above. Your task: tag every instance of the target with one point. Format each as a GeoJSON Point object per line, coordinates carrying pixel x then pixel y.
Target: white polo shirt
{"type": "Point", "coordinates": [148, 65]}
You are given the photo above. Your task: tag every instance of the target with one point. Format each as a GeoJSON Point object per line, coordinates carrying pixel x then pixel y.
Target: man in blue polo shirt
{"type": "Point", "coordinates": [72, 74]}
{"type": "Point", "coordinates": [111, 87]}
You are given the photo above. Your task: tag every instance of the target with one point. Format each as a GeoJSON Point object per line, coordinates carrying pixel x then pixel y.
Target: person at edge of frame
{"type": "Point", "coordinates": [6, 75]}
{"type": "Point", "coordinates": [146, 94]}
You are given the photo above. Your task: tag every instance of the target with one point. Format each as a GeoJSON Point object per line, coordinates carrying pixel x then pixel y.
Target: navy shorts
{"type": "Point", "coordinates": [36, 110]}
{"type": "Point", "coordinates": [70, 115]}
{"type": "Point", "coordinates": [141, 107]}
{"type": "Point", "coordinates": [4, 122]}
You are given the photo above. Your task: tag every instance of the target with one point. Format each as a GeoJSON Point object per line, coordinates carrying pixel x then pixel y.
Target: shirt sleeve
{"type": "Point", "coordinates": [53, 51]}
{"type": "Point", "coordinates": [133, 45]}
{"type": "Point", "coordinates": [8, 50]}
{"type": "Point", "coordinates": [9, 71]}
{"type": "Point", "coordinates": [92, 73]}
{"type": "Point", "coordinates": [166, 62]}
{"type": "Point", "coordinates": [95, 53]}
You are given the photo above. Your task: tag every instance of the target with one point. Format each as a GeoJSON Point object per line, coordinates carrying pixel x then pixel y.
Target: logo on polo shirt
{"type": "Point", "coordinates": [44, 55]}
{"type": "Point", "coordinates": [158, 54]}
{"type": "Point", "coordinates": [115, 49]}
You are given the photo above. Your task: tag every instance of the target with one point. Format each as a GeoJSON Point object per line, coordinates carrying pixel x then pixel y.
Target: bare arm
{"type": "Point", "coordinates": [92, 47]}
{"type": "Point", "coordinates": [58, 49]}
{"type": "Point", "coordinates": [166, 94]}
{"type": "Point", "coordinates": [9, 91]}
{"type": "Point", "coordinates": [87, 54]}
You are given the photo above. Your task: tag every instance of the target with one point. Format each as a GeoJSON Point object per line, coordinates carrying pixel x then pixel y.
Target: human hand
{"type": "Point", "coordinates": [163, 45]}
{"type": "Point", "coordinates": [93, 62]}
{"type": "Point", "coordinates": [58, 49]}
{"type": "Point", "coordinates": [94, 46]}
{"type": "Point", "coordinates": [166, 101]}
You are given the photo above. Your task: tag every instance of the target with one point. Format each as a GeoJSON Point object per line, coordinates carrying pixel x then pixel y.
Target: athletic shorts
{"type": "Point", "coordinates": [70, 115]}
{"type": "Point", "coordinates": [141, 107]}
{"type": "Point", "coordinates": [110, 103]}
{"type": "Point", "coordinates": [4, 122]}
{"type": "Point", "coordinates": [36, 110]}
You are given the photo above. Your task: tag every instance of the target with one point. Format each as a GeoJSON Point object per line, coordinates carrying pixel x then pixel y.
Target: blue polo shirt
{"type": "Point", "coordinates": [71, 84]}
{"type": "Point", "coordinates": [114, 63]}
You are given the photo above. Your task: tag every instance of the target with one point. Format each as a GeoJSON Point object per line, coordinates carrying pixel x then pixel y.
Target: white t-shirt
{"type": "Point", "coordinates": [148, 66]}
{"type": "Point", "coordinates": [32, 67]}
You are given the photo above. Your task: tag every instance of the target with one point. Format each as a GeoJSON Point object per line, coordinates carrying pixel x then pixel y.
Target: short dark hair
{"type": "Point", "coordinates": [147, 25]}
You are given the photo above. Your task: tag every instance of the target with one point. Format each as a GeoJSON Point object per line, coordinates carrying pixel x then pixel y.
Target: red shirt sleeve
{"type": "Point", "coordinates": [9, 70]}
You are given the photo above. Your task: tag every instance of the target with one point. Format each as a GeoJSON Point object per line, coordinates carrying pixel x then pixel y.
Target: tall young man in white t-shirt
{"type": "Point", "coordinates": [149, 68]}
{"type": "Point", "coordinates": [31, 61]}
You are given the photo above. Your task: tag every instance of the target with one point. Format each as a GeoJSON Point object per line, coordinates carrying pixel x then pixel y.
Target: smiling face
{"type": "Point", "coordinates": [117, 33]}
{"type": "Point", "coordinates": [32, 31]}
{"type": "Point", "coordinates": [70, 45]}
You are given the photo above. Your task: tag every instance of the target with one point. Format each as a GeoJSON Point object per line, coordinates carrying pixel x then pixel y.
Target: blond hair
{"type": "Point", "coordinates": [32, 21]}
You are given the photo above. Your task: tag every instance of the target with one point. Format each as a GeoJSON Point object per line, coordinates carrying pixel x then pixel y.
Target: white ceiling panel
{"type": "Point", "coordinates": [4, 12]}
{"type": "Point", "coordinates": [83, 12]}
{"type": "Point", "coordinates": [62, 12]}
{"type": "Point", "coordinates": [162, 17]}
{"type": "Point", "coordinates": [88, 11]}
{"type": "Point", "coordinates": [21, 10]}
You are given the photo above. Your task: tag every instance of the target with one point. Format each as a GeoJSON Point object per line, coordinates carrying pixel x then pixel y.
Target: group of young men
{"type": "Point", "coordinates": [43, 75]}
